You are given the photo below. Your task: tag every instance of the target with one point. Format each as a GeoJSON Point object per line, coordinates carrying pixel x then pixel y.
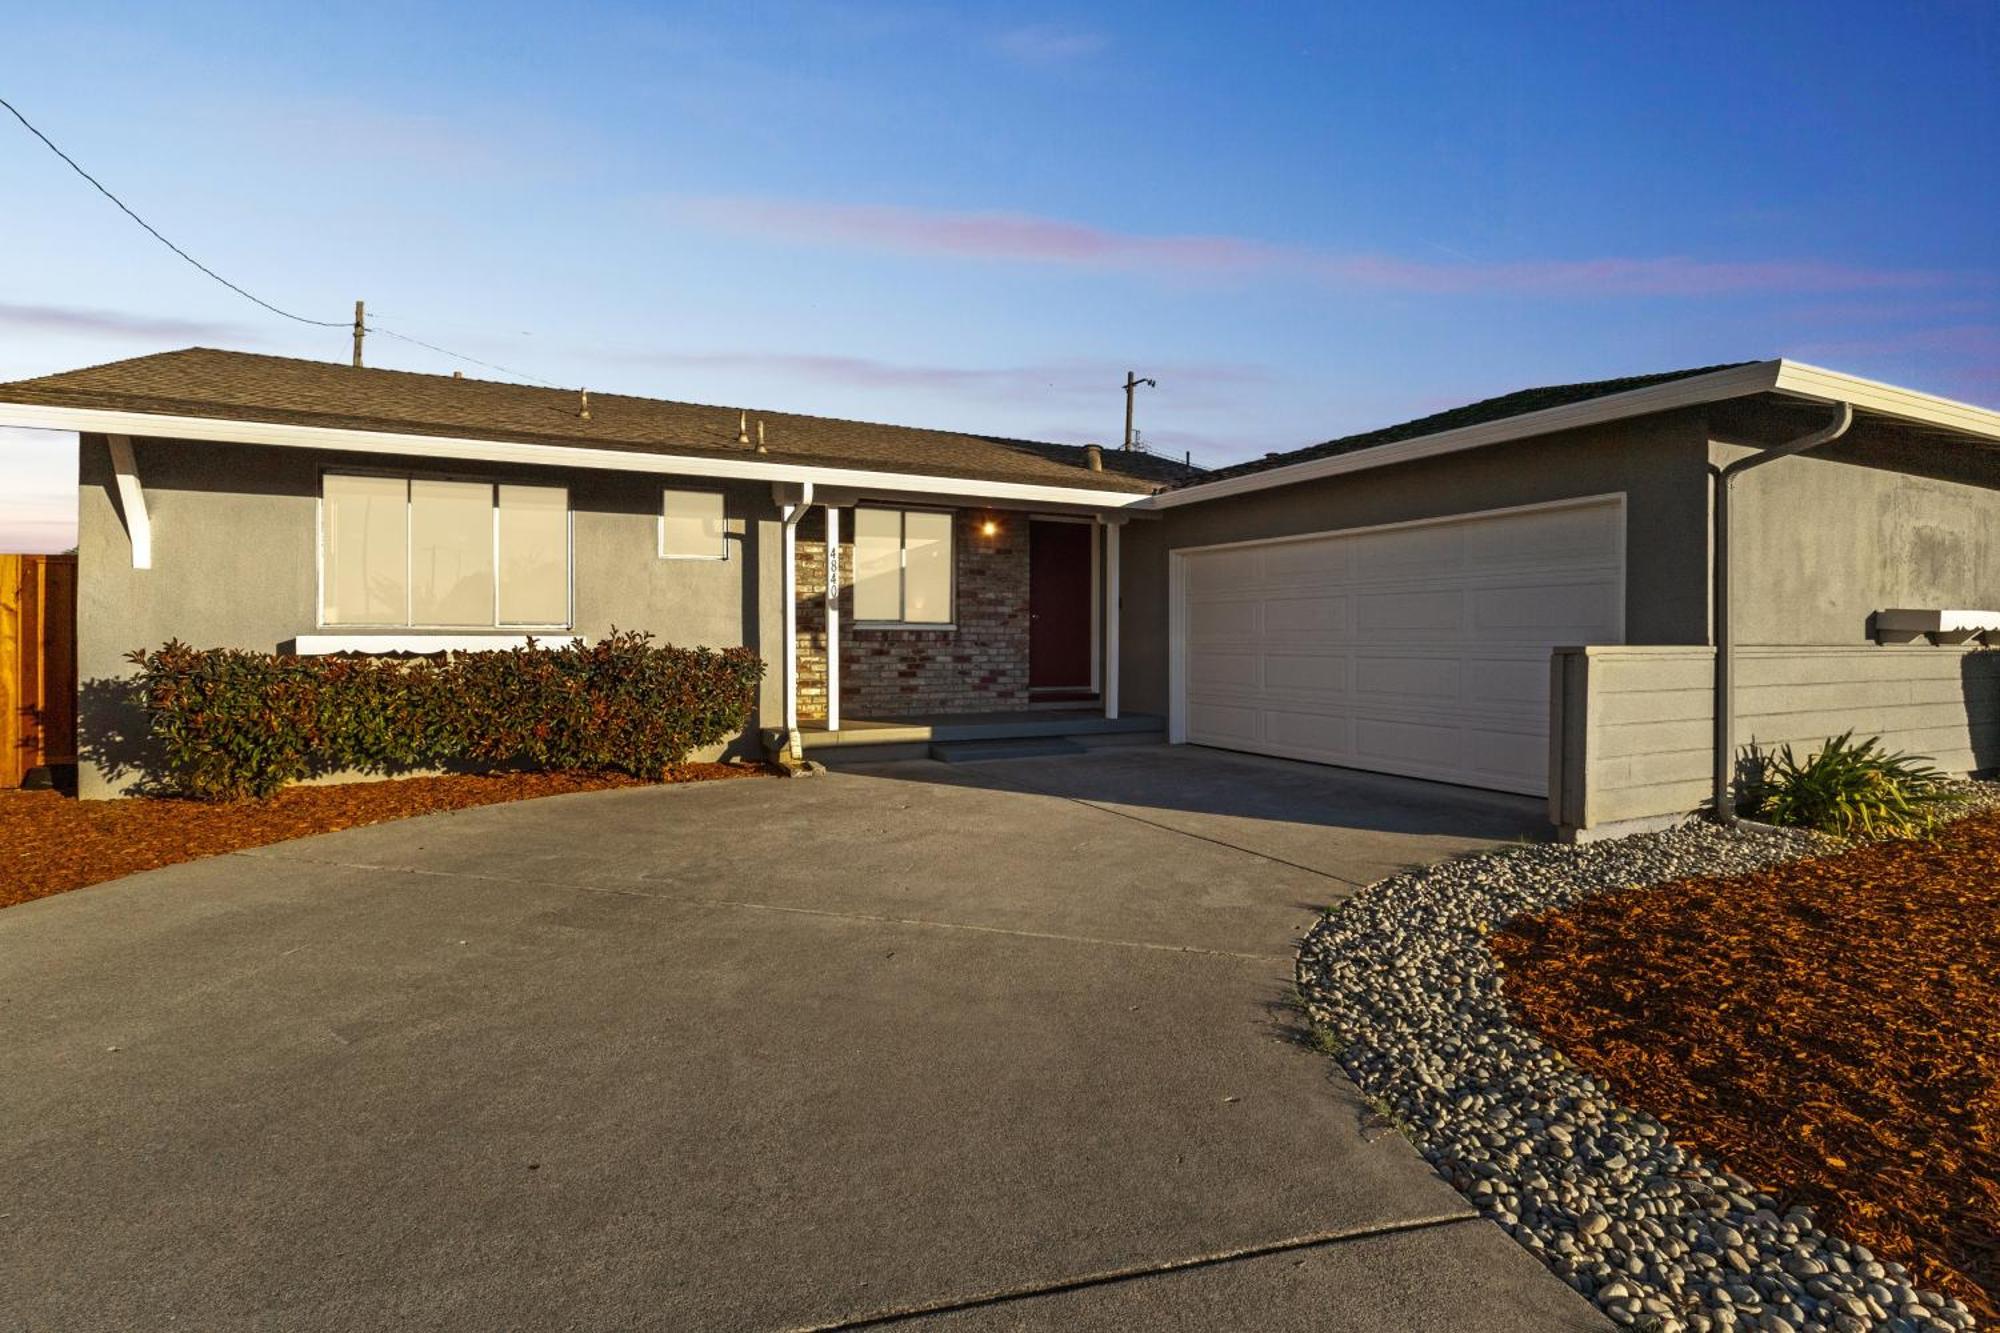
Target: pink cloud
{"type": "Point", "coordinates": [75, 320]}
{"type": "Point", "coordinates": [1076, 379]}
{"type": "Point", "coordinates": [1025, 238]}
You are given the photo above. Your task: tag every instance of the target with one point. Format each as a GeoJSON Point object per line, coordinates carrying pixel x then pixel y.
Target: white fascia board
{"type": "Point", "coordinates": [1927, 409]}
{"type": "Point", "coordinates": [1736, 382]}
{"type": "Point", "coordinates": [96, 420]}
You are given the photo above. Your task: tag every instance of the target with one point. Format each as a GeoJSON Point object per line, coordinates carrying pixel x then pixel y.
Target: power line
{"type": "Point", "coordinates": [246, 295]}
{"type": "Point", "coordinates": [404, 337]}
{"type": "Point", "coordinates": [321, 323]}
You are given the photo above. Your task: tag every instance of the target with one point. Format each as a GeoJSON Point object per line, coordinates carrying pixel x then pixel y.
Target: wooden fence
{"type": "Point", "coordinates": [37, 663]}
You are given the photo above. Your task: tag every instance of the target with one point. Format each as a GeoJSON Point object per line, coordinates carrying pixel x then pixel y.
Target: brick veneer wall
{"type": "Point", "coordinates": [979, 666]}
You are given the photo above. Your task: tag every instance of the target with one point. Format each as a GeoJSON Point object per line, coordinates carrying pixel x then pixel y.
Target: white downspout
{"type": "Point", "coordinates": [792, 512]}
{"type": "Point", "coordinates": [832, 618]}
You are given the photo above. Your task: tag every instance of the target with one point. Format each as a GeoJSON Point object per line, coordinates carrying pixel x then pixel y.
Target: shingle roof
{"type": "Point", "coordinates": [206, 382]}
{"type": "Point", "coordinates": [1472, 414]}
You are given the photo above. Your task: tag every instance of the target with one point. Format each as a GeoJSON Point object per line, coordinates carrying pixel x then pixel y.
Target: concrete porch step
{"type": "Point", "coordinates": [972, 752]}
{"type": "Point", "coordinates": [875, 741]}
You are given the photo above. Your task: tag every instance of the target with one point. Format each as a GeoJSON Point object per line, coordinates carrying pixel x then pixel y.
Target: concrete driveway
{"type": "Point", "coordinates": [984, 1046]}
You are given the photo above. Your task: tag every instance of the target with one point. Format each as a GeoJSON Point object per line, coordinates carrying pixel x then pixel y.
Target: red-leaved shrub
{"type": "Point", "coordinates": [230, 723]}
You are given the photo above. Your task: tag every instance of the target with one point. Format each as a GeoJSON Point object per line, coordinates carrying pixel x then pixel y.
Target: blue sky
{"type": "Point", "coordinates": [1301, 219]}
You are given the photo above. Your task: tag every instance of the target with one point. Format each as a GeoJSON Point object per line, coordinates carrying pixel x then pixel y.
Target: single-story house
{"type": "Point", "coordinates": [1520, 594]}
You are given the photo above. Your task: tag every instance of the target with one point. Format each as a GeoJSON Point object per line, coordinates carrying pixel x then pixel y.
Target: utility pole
{"type": "Point", "coordinates": [361, 331]}
{"type": "Point", "coordinates": [1133, 383]}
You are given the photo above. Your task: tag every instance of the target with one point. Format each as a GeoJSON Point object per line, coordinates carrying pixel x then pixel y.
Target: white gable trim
{"type": "Point", "coordinates": [1786, 377]}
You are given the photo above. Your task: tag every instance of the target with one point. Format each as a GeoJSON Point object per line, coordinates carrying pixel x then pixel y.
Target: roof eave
{"type": "Point", "coordinates": [474, 449]}
{"type": "Point", "coordinates": [1800, 380]}
{"type": "Point", "coordinates": [1735, 382]}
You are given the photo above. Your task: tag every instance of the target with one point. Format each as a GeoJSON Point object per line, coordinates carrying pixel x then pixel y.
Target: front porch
{"type": "Point", "coordinates": [966, 736]}
{"type": "Point", "coordinates": [914, 627]}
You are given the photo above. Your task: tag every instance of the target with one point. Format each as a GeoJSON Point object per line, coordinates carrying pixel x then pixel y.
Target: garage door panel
{"type": "Point", "coordinates": [1435, 614]}
{"type": "Point", "coordinates": [1209, 671]}
{"type": "Point", "coordinates": [1223, 620]}
{"type": "Point", "coordinates": [1302, 674]}
{"type": "Point", "coordinates": [1539, 540]}
{"type": "Point", "coordinates": [1306, 562]}
{"type": "Point", "coordinates": [1321, 617]}
{"type": "Point", "coordinates": [1435, 680]}
{"type": "Point", "coordinates": [1233, 725]}
{"type": "Point", "coordinates": [1402, 553]}
{"type": "Point", "coordinates": [1533, 611]}
{"type": "Point", "coordinates": [1421, 650]}
{"type": "Point", "coordinates": [1507, 682]}
{"type": "Point", "coordinates": [1519, 756]}
{"type": "Point", "coordinates": [1434, 745]}
{"type": "Point", "coordinates": [1314, 733]}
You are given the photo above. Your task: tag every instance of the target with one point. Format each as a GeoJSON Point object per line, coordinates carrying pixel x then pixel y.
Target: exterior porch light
{"type": "Point", "coordinates": [989, 526]}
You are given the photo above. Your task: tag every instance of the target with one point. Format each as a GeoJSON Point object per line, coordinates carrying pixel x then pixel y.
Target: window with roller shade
{"type": "Point", "coordinates": [434, 553]}
{"type": "Point", "coordinates": [693, 526]}
{"type": "Point", "coordinates": [902, 567]}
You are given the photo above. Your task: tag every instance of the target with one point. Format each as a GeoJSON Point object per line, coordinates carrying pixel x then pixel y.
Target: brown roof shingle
{"type": "Point", "coordinates": [207, 382]}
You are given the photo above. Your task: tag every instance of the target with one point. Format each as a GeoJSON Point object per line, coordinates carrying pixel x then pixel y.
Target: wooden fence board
{"type": "Point", "coordinates": [37, 663]}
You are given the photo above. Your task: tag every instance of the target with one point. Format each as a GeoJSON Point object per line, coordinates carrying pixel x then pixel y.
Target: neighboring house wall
{"type": "Point", "coordinates": [1657, 462]}
{"type": "Point", "coordinates": [235, 565]}
{"type": "Point", "coordinates": [1822, 541]}
{"type": "Point", "coordinates": [980, 665]}
{"type": "Point", "coordinates": [1633, 734]}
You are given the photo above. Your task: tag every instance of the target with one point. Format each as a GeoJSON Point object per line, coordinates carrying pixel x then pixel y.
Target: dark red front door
{"type": "Point", "coordinates": [1059, 580]}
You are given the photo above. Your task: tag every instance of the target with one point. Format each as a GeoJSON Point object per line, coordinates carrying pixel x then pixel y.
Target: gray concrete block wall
{"type": "Point", "coordinates": [235, 532]}
{"type": "Point", "coordinates": [1633, 726]}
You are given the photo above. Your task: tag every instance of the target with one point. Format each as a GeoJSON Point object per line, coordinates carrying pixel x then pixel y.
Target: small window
{"type": "Point", "coordinates": [902, 567]}
{"type": "Point", "coordinates": [693, 526]}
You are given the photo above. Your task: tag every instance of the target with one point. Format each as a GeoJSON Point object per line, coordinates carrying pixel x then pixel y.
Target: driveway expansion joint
{"type": "Point", "coordinates": [1136, 1273]}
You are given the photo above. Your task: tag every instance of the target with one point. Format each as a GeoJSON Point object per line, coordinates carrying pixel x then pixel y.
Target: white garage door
{"type": "Point", "coordinates": [1420, 649]}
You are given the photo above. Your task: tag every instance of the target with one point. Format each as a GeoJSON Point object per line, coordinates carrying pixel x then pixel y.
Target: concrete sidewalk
{"type": "Point", "coordinates": [912, 1041]}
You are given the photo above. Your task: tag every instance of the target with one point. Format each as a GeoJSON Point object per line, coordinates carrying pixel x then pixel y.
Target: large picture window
{"type": "Point", "coordinates": [902, 567]}
{"type": "Point", "coordinates": [439, 554]}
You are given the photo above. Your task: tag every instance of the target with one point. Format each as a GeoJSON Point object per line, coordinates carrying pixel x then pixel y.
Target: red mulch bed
{"type": "Point", "coordinates": [50, 843]}
{"type": "Point", "coordinates": [1829, 1029]}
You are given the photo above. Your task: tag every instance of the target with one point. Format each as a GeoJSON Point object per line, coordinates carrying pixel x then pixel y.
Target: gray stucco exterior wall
{"type": "Point", "coordinates": [235, 564]}
{"type": "Point", "coordinates": [1658, 463]}
{"type": "Point", "coordinates": [1822, 541]}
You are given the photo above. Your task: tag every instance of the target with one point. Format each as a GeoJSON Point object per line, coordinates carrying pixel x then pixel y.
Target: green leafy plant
{"type": "Point", "coordinates": [1849, 789]}
{"type": "Point", "coordinates": [231, 724]}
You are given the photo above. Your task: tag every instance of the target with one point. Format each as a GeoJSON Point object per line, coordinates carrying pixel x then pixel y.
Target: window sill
{"type": "Point", "coordinates": [418, 641]}
{"type": "Point", "coordinates": [899, 627]}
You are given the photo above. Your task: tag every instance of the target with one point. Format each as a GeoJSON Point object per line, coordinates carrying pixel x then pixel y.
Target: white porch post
{"type": "Point", "coordinates": [792, 505]}
{"type": "Point", "coordinates": [791, 559]}
{"type": "Point", "coordinates": [1111, 616]}
{"type": "Point", "coordinates": [832, 618]}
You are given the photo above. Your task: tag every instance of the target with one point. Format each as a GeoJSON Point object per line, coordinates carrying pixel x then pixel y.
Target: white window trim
{"type": "Point", "coordinates": [660, 524]}
{"type": "Point", "coordinates": [946, 626]}
{"type": "Point", "coordinates": [409, 475]}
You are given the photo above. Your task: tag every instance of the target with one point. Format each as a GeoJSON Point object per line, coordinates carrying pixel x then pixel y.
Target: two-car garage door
{"type": "Point", "coordinates": [1420, 649]}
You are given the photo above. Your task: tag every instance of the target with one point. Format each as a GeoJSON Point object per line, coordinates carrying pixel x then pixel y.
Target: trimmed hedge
{"type": "Point", "coordinates": [230, 724]}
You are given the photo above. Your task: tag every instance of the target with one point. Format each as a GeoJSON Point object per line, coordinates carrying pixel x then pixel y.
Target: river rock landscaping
{"type": "Point", "coordinates": [1404, 987]}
